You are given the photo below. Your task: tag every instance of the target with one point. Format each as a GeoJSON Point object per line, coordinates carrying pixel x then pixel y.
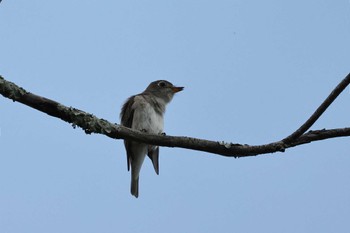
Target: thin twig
{"type": "Point", "coordinates": [319, 111]}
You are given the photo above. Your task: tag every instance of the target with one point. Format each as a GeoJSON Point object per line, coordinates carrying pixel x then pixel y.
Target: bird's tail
{"type": "Point", "coordinates": [135, 187]}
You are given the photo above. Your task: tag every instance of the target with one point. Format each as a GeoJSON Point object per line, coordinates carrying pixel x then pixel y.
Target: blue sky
{"type": "Point", "coordinates": [253, 71]}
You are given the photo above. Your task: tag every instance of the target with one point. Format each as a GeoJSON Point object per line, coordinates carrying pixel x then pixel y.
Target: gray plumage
{"type": "Point", "coordinates": [145, 112]}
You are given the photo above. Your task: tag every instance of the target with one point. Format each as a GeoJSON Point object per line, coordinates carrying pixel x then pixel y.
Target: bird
{"type": "Point", "coordinates": [145, 112]}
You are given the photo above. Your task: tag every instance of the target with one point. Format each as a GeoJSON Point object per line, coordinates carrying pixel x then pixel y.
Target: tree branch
{"type": "Point", "coordinates": [91, 124]}
{"type": "Point", "coordinates": [320, 110]}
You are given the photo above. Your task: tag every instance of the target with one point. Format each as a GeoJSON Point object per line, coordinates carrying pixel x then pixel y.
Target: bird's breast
{"type": "Point", "coordinates": [146, 118]}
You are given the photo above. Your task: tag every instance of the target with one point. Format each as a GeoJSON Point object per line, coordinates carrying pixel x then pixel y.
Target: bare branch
{"type": "Point", "coordinates": [91, 124]}
{"type": "Point", "coordinates": [319, 111]}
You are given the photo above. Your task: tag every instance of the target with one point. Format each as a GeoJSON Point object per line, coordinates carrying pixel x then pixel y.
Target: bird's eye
{"type": "Point", "coordinates": [162, 84]}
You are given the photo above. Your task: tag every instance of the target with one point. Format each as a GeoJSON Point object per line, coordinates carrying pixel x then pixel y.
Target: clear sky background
{"type": "Point", "coordinates": [253, 71]}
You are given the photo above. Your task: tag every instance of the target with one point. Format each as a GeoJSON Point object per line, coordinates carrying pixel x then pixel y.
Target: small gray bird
{"type": "Point", "coordinates": [145, 112]}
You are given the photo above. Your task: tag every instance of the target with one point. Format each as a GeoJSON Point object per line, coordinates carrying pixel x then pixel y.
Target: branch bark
{"type": "Point", "coordinates": [91, 124]}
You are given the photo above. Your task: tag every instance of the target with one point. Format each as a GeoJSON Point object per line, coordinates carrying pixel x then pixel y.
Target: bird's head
{"type": "Point", "coordinates": [163, 89]}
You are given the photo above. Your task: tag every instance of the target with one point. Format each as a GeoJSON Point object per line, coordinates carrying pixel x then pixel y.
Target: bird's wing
{"type": "Point", "coordinates": [127, 116]}
{"type": "Point", "coordinates": [153, 154]}
{"type": "Point", "coordinates": [127, 113]}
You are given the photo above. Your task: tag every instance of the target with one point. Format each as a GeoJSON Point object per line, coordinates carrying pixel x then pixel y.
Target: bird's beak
{"type": "Point", "coordinates": [177, 89]}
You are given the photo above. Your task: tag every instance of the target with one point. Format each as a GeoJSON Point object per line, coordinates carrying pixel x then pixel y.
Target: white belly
{"type": "Point", "coordinates": [146, 118]}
